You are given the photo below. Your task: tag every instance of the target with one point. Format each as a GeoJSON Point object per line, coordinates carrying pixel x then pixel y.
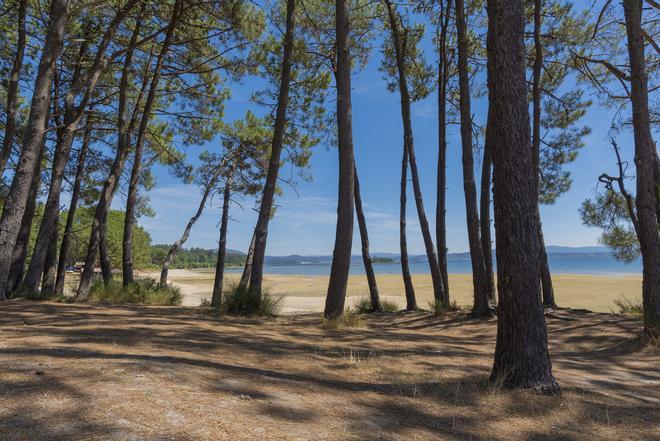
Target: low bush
{"type": "Point", "coordinates": [363, 306]}
{"type": "Point", "coordinates": [440, 308]}
{"type": "Point", "coordinates": [237, 300]}
{"type": "Point", "coordinates": [349, 319]}
{"type": "Point", "coordinates": [144, 291]}
{"type": "Point", "coordinates": [629, 306]}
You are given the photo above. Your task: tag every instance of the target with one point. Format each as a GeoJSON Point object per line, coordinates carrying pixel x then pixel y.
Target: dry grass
{"type": "Point", "coordinates": [91, 372]}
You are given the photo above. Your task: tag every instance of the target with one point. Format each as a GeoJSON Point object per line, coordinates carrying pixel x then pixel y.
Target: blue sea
{"type": "Point", "coordinates": [564, 264]}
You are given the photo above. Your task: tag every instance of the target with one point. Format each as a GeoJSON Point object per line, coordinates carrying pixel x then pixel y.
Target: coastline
{"type": "Point", "coordinates": [306, 293]}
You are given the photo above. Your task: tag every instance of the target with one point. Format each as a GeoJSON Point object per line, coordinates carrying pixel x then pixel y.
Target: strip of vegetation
{"type": "Point", "coordinates": [144, 291]}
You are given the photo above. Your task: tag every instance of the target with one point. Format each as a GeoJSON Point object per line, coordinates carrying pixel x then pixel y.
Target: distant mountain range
{"type": "Point", "coordinates": [296, 259]}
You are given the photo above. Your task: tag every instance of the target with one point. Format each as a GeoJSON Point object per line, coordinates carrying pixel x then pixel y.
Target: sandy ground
{"type": "Point", "coordinates": [307, 293]}
{"type": "Point", "coordinates": [90, 372]}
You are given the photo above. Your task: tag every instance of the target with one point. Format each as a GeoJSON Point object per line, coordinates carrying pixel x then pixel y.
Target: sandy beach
{"type": "Point", "coordinates": [305, 293]}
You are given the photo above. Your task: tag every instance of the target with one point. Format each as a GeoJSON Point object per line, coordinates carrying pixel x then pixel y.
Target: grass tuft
{"type": "Point", "coordinates": [439, 308]}
{"type": "Point", "coordinates": [628, 306]}
{"type": "Point", "coordinates": [349, 319]}
{"type": "Point", "coordinates": [144, 291]}
{"type": "Point", "coordinates": [237, 300]}
{"type": "Point", "coordinates": [363, 306]}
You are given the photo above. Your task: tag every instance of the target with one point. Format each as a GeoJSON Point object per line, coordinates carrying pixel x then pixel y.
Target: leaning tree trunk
{"type": "Point", "coordinates": [645, 164]}
{"type": "Point", "coordinates": [411, 301]}
{"type": "Point", "coordinates": [131, 199]}
{"type": "Point", "coordinates": [266, 206]}
{"type": "Point", "coordinates": [484, 219]}
{"type": "Point", "coordinates": [341, 255]}
{"type": "Point", "coordinates": [399, 48]}
{"type": "Point", "coordinates": [521, 351]}
{"type": "Point", "coordinates": [481, 287]}
{"type": "Point", "coordinates": [12, 89]}
{"type": "Point", "coordinates": [104, 256]}
{"type": "Point", "coordinates": [364, 238]}
{"type": "Point", "coordinates": [441, 206]}
{"type": "Point", "coordinates": [216, 299]}
{"type": "Point", "coordinates": [16, 200]}
{"type": "Point", "coordinates": [50, 269]}
{"type": "Point", "coordinates": [247, 269]}
{"type": "Point", "coordinates": [23, 242]}
{"type": "Point", "coordinates": [546, 279]}
{"type": "Point", "coordinates": [73, 206]}
{"type": "Point", "coordinates": [186, 232]}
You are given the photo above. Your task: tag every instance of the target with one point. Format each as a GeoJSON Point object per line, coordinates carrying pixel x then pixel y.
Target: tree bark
{"type": "Point", "coordinates": [131, 199]}
{"type": "Point", "coordinates": [521, 352]}
{"type": "Point", "coordinates": [104, 256]}
{"type": "Point", "coordinates": [186, 232]}
{"type": "Point", "coordinates": [364, 239]}
{"type": "Point", "coordinates": [73, 206]}
{"type": "Point", "coordinates": [23, 242]}
{"type": "Point", "coordinates": [645, 164]}
{"type": "Point", "coordinates": [12, 89]}
{"type": "Point", "coordinates": [266, 206]}
{"type": "Point", "coordinates": [399, 48]}
{"type": "Point", "coordinates": [486, 240]}
{"type": "Point", "coordinates": [50, 270]}
{"type": "Point", "coordinates": [411, 301]}
{"type": "Point", "coordinates": [481, 287]}
{"type": "Point", "coordinates": [247, 269]}
{"type": "Point", "coordinates": [216, 299]}
{"type": "Point", "coordinates": [16, 200]}
{"type": "Point", "coordinates": [441, 206]}
{"type": "Point", "coordinates": [341, 255]}
{"type": "Point", "coordinates": [546, 279]}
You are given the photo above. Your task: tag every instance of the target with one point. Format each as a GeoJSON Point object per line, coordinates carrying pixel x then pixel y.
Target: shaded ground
{"type": "Point", "coordinates": [82, 372]}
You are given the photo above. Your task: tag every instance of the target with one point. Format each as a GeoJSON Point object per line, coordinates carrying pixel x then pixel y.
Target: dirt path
{"type": "Point", "coordinates": [83, 372]}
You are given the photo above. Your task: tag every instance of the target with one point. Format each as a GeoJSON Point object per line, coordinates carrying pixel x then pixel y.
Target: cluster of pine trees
{"type": "Point", "coordinates": [95, 93]}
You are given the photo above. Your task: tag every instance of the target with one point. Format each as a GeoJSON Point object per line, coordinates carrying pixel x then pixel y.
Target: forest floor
{"type": "Point", "coordinates": [88, 372]}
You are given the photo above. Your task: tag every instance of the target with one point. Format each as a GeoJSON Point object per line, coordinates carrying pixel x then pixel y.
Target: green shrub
{"type": "Point", "coordinates": [237, 300]}
{"type": "Point", "coordinates": [363, 306]}
{"type": "Point", "coordinates": [144, 291]}
{"type": "Point", "coordinates": [349, 319]}
{"type": "Point", "coordinates": [629, 306]}
{"type": "Point", "coordinates": [439, 308]}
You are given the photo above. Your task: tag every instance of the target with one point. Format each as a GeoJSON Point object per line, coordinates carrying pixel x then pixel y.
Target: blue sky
{"type": "Point", "coordinates": [305, 220]}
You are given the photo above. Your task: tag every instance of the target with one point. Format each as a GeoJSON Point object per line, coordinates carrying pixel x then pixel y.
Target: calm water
{"type": "Point", "coordinates": [604, 264]}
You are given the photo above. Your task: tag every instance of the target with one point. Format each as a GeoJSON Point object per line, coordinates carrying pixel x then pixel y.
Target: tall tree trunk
{"type": "Point", "coordinates": [341, 254]}
{"type": "Point", "coordinates": [50, 270]}
{"type": "Point", "coordinates": [480, 283]}
{"type": "Point", "coordinates": [411, 301]}
{"type": "Point", "coordinates": [216, 299]}
{"type": "Point", "coordinates": [124, 131]}
{"type": "Point", "coordinates": [364, 238]}
{"type": "Point", "coordinates": [104, 256]}
{"type": "Point", "coordinates": [521, 351]}
{"type": "Point", "coordinates": [399, 48]}
{"type": "Point", "coordinates": [12, 89]}
{"type": "Point", "coordinates": [645, 164]}
{"type": "Point", "coordinates": [23, 242]}
{"type": "Point", "coordinates": [16, 200]}
{"type": "Point", "coordinates": [441, 206]}
{"type": "Point", "coordinates": [484, 219]}
{"type": "Point", "coordinates": [247, 269]}
{"type": "Point", "coordinates": [186, 232]}
{"type": "Point", "coordinates": [266, 206]}
{"type": "Point", "coordinates": [73, 206]}
{"type": "Point", "coordinates": [546, 279]}
{"type": "Point", "coordinates": [131, 199]}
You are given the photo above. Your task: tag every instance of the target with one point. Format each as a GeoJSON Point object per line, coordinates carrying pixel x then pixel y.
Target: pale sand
{"type": "Point", "coordinates": [304, 293]}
